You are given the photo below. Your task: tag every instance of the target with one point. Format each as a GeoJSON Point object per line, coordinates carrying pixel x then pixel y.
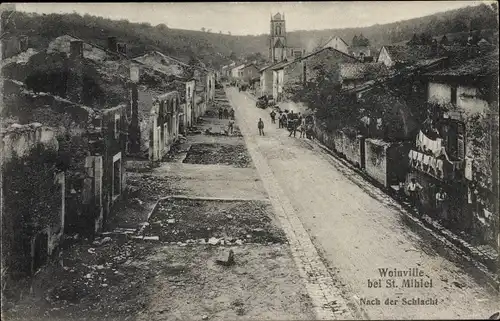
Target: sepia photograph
{"type": "Point", "coordinates": [312, 160]}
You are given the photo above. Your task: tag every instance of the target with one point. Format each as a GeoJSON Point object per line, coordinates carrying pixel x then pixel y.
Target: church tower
{"type": "Point", "coordinates": [277, 39]}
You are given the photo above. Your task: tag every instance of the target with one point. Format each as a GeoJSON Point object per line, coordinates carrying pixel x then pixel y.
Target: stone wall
{"type": "Point", "coordinates": [353, 149]}
{"type": "Point", "coordinates": [33, 220]}
{"type": "Point", "coordinates": [350, 146]}
{"type": "Point", "coordinates": [20, 139]}
{"type": "Point", "coordinates": [376, 160]}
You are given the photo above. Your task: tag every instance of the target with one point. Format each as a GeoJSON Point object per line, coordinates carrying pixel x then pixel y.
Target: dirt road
{"type": "Point", "coordinates": [358, 232]}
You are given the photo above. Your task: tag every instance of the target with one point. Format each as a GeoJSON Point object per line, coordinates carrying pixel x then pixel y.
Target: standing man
{"type": "Point", "coordinates": [293, 127]}
{"type": "Point", "coordinates": [440, 205]}
{"type": "Point", "coordinates": [231, 113]}
{"type": "Point", "coordinates": [414, 188]}
{"type": "Point", "coordinates": [231, 126]}
{"type": "Point", "coordinates": [273, 117]}
{"type": "Point", "coordinates": [226, 113]}
{"type": "Point", "coordinates": [220, 112]}
{"type": "Point", "coordinates": [284, 120]}
{"type": "Point", "coordinates": [260, 125]}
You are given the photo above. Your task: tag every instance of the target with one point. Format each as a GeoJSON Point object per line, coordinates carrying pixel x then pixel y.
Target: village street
{"type": "Point", "coordinates": [355, 227]}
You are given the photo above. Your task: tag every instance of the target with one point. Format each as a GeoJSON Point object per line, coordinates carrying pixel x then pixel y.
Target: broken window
{"type": "Point", "coordinates": [165, 133]}
{"type": "Point", "coordinates": [454, 134]}
{"type": "Point", "coordinates": [117, 126]}
{"type": "Point", "coordinates": [117, 173]}
{"type": "Point", "coordinates": [454, 95]}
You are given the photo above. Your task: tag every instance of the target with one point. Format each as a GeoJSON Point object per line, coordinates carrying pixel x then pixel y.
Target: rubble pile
{"type": "Point", "coordinates": [222, 154]}
{"type": "Point", "coordinates": [187, 222]}
{"type": "Point", "coordinates": [97, 280]}
{"type": "Point", "coordinates": [151, 187]}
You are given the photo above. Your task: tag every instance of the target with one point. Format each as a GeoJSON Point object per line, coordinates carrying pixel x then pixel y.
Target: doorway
{"type": "Point", "coordinates": [40, 251]}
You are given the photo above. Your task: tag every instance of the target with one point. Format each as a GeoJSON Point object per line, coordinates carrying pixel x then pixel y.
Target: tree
{"type": "Point", "coordinates": [355, 41]}
{"type": "Point", "coordinates": [162, 27]}
{"type": "Point", "coordinates": [444, 41]}
{"type": "Point", "coordinates": [425, 39]}
{"type": "Point", "coordinates": [322, 95]}
{"type": "Point", "coordinates": [362, 41]}
{"type": "Point", "coordinates": [414, 41]}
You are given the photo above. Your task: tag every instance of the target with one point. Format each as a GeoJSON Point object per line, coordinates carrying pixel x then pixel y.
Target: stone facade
{"type": "Point", "coordinates": [19, 141]}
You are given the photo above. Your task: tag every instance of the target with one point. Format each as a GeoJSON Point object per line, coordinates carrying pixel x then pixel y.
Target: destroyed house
{"type": "Point", "coordinates": [88, 100]}
{"type": "Point", "coordinates": [160, 127]}
{"type": "Point", "coordinates": [288, 75]}
{"type": "Point", "coordinates": [32, 219]}
{"type": "Point", "coordinates": [355, 74]}
{"type": "Point", "coordinates": [175, 75]}
{"type": "Point", "coordinates": [90, 148]}
{"type": "Point", "coordinates": [456, 147]}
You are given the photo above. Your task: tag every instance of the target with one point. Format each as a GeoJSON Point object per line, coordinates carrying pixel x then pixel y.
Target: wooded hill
{"type": "Point", "coordinates": [216, 48]}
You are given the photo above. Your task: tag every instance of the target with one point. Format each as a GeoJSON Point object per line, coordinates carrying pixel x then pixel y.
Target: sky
{"type": "Point", "coordinates": [246, 18]}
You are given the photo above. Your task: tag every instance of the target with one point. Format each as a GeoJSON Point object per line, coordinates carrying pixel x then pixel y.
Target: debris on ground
{"type": "Point", "coordinates": [228, 260]}
{"type": "Point", "coordinates": [206, 219]}
{"type": "Point", "coordinates": [224, 154]}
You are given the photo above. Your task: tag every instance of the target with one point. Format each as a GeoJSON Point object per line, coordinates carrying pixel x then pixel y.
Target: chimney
{"type": "Point", "coordinates": [133, 112]}
{"type": "Point", "coordinates": [23, 43]}
{"type": "Point", "coordinates": [112, 44]}
{"type": "Point", "coordinates": [76, 49]}
{"type": "Point", "coordinates": [75, 83]}
{"type": "Point", "coordinates": [122, 48]}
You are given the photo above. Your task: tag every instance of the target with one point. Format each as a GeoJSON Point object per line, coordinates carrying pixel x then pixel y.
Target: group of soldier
{"type": "Point", "coordinates": [291, 121]}
{"type": "Point", "coordinates": [224, 113]}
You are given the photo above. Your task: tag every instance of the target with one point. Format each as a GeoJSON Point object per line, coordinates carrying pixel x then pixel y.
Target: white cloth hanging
{"type": "Point", "coordinates": [468, 168]}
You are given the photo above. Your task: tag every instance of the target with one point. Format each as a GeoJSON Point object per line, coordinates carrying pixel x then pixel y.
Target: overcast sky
{"type": "Point", "coordinates": [242, 18]}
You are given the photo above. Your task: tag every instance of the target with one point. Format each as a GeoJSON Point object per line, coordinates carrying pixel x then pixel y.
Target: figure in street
{"type": "Point", "coordinates": [273, 117]}
{"type": "Point", "coordinates": [292, 127]}
{"type": "Point", "coordinates": [441, 208]}
{"type": "Point", "coordinates": [231, 113]}
{"type": "Point", "coordinates": [230, 127]}
{"type": "Point", "coordinates": [226, 113]}
{"type": "Point", "coordinates": [414, 189]}
{"type": "Point", "coordinates": [220, 112]}
{"type": "Point", "coordinates": [260, 125]}
{"type": "Point", "coordinates": [283, 120]}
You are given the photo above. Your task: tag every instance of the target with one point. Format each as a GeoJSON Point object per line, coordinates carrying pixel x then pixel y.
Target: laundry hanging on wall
{"type": "Point", "coordinates": [425, 143]}
{"type": "Point", "coordinates": [468, 168]}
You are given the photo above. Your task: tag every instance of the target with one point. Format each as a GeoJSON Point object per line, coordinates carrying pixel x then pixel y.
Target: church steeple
{"type": "Point", "coordinates": [277, 39]}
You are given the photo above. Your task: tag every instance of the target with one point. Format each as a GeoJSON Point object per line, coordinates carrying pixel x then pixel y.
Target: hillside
{"type": "Point", "coordinates": [183, 44]}
{"type": "Point", "coordinates": [216, 49]}
{"type": "Point", "coordinates": [454, 23]}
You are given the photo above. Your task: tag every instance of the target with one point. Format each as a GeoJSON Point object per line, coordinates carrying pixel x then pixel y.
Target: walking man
{"type": "Point", "coordinates": [230, 127]}
{"type": "Point", "coordinates": [260, 125]}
